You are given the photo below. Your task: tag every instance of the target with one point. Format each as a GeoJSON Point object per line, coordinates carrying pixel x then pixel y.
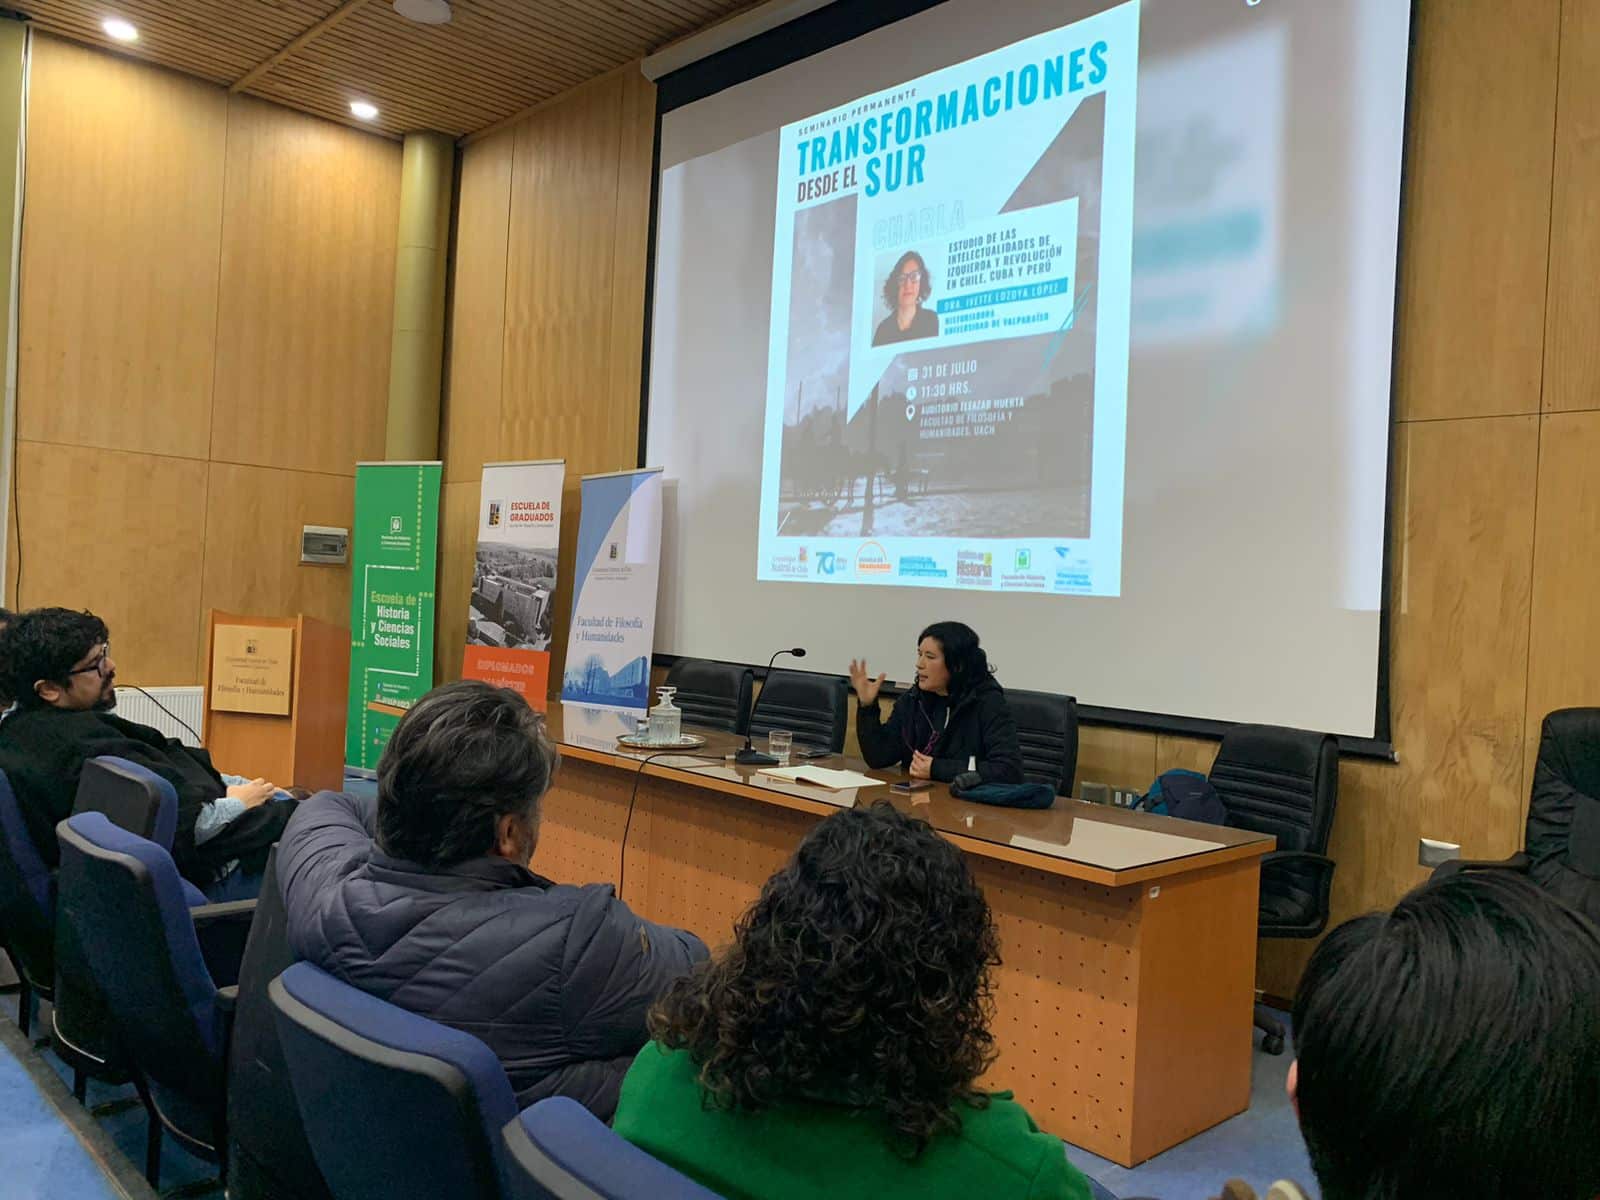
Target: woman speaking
{"type": "Point", "coordinates": [955, 719]}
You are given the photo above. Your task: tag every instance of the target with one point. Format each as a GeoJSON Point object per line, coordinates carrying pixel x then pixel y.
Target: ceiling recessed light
{"type": "Point", "coordinates": [364, 109]}
{"type": "Point", "coordinates": [424, 12]}
{"type": "Point", "coordinates": [120, 30]}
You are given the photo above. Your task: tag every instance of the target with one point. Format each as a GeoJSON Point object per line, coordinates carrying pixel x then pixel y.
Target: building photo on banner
{"type": "Point", "coordinates": [511, 611]}
{"type": "Point", "coordinates": [394, 550]}
{"type": "Point", "coordinates": [614, 592]}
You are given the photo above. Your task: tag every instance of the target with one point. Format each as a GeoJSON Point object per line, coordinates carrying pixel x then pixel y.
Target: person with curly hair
{"type": "Point", "coordinates": [835, 1048]}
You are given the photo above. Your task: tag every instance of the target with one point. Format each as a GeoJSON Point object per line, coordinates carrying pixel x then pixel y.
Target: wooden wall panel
{"type": "Point", "coordinates": [1190, 754]}
{"type": "Point", "coordinates": [1475, 235]}
{"type": "Point", "coordinates": [1118, 758]}
{"type": "Point", "coordinates": [120, 534]}
{"type": "Point", "coordinates": [1571, 351]}
{"type": "Point", "coordinates": [458, 546]}
{"type": "Point", "coordinates": [135, 318]}
{"type": "Point", "coordinates": [1564, 647]}
{"type": "Point", "coordinates": [1460, 605]}
{"type": "Point", "coordinates": [560, 257]}
{"type": "Point", "coordinates": [570, 378]}
{"type": "Point", "coordinates": [470, 425]}
{"type": "Point", "coordinates": [635, 167]}
{"type": "Point", "coordinates": [118, 301]}
{"type": "Point", "coordinates": [253, 526]}
{"type": "Point", "coordinates": [311, 215]}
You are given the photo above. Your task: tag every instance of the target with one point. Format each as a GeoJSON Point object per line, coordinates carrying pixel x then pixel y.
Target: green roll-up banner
{"type": "Point", "coordinates": [393, 548]}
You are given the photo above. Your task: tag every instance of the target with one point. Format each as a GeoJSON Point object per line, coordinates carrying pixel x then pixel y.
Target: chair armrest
{"type": "Point", "coordinates": [1298, 856]}
{"type": "Point", "coordinates": [1320, 863]}
{"type": "Point", "coordinates": [223, 930]}
{"type": "Point", "coordinates": [1517, 862]}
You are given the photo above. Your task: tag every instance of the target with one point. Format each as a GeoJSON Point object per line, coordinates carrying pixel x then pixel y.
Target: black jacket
{"type": "Point", "coordinates": [979, 726]}
{"type": "Point", "coordinates": [555, 979]}
{"type": "Point", "coordinates": [43, 749]}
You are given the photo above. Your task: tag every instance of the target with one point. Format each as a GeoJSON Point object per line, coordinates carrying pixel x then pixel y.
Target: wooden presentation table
{"type": "Point", "coordinates": [1128, 941]}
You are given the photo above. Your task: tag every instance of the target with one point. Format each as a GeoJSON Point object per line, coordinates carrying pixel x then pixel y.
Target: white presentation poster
{"type": "Point", "coordinates": [948, 367]}
{"type": "Point", "coordinates": [514, 577]}
{"type": "Point", "coordinates": [614, 596]}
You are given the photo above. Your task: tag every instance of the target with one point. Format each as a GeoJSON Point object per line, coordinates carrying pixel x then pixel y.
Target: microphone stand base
{"type": "Point", "coordinates": [754, 758]}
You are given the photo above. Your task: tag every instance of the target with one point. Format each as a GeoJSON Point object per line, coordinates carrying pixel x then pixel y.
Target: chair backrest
{"type": "Point", "coordinates": [1047, 731]}
{"type": "Point", "coordinates": [269, 1155]}
{"type": "Point", "coordinates": [1563, 836]}
{"type": "Point", "coordinates": [814, 708]}
{"type": "Point", "coordinates": [1279, 781]}
{"type": "Point", "coordinates": [559, 1150]}
{"type": "Point", "coordinates": [131, 796]}
{"type": "Point", "coordinates": [128, 910]}
{"type": "Point", "coordinates": [27, 897]}
{"type": "Point", "coordinates": [712, 695]}
{"type": "Point", "coordinates": [429, 1101]}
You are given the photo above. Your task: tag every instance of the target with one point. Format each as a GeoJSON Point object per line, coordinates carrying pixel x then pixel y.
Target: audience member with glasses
{"type": "Point", "coordinates": [56, 665]}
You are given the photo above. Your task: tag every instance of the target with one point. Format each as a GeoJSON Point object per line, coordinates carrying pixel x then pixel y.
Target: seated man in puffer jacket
{"type": "Point", "coordinates": [424, 899]}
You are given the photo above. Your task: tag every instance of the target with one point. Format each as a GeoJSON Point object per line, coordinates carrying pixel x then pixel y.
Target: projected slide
{"type": "Point", "coordinates": [947, 372]}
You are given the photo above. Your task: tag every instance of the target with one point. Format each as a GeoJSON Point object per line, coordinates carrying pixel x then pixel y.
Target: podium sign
{"type": "Point", "coordinates": [251, 669]}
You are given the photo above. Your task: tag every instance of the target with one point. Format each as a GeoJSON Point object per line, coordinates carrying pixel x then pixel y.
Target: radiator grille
{"type": "Point", "coordinates": [186, 703]}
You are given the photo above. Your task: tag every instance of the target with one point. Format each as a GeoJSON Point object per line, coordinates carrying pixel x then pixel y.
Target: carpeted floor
{"type": "Point", "coordinates": [51, 1148]}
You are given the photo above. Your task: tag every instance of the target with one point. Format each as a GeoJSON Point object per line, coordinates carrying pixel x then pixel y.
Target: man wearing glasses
{"type": "Point", "coordinates": [57, 665]}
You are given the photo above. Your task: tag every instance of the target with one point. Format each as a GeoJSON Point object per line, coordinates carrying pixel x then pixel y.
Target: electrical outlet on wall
{"type": "Point", "coordinates": [1431, 853]}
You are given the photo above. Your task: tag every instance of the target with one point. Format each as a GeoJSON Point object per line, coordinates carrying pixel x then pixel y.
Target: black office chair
{"type": "Point", "coordinates": [712, 695]}
{"type": "Point", "coordinates": [1284, 782]}
{"type": "Point", "coordinates": [171, 1009]}
{"type": "Point", "coordinates": [815, 708]}
{"type": "Point", "coordinates": [269, 1155]}
{"type": "Point", "coordinates": [1047, 730]}
{"type": "Point", "coordinates": [1562, 844]}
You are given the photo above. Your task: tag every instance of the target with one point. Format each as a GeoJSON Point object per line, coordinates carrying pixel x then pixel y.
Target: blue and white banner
{"type": "Point", "coordinates": [614, 598]}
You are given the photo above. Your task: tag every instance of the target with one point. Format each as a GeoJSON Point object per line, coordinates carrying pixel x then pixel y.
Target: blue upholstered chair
{"type": "Point", "coordinates": [559, 1150]}
{"type": "Point", "coordinates": [395, 1105]}
{"type": "Point", "coordinates": [45, 957]}
{"type": "Point", "coordinates": [123, 899]}
{"type": "Point", "coordinates": [27, 908]}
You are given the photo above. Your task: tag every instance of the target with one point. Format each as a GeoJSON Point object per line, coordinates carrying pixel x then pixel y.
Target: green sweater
{"type": "Point", "coordinates": [808, 1148]}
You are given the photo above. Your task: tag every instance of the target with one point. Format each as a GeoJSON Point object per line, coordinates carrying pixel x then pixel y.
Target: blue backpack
{"type": "Point", "coordinates": [1187, 795]}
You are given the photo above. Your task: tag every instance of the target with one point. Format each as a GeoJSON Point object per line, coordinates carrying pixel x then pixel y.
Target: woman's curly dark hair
{"type": "Point", "coordinates": [861, 975]}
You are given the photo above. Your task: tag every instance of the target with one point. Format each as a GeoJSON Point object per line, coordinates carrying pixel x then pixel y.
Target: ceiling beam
{"type": "Point", "coordinates": [348, 9]}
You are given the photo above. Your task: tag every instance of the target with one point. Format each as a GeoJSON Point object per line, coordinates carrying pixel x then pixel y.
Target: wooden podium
{"type": "Point", "coordinates": [303, 747]}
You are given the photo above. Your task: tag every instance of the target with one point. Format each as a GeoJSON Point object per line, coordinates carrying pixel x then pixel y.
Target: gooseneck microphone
{"type": "Point", "coordinates": [749, 756]}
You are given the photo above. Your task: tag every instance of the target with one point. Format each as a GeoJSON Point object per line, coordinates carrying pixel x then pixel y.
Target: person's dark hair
{"type": "Point", "coordinates": [1452, 1047]}
{"type": "Point", "coordinates": [860, 975]}
{"type": "Point", "coordinates": [891, 285]}
{"type": "Point", "coordinates": [466, 754]}
{"type": "Point", "coordinates": [44, 643]}
{"type": "Point", "coordinates": [964, 657]}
